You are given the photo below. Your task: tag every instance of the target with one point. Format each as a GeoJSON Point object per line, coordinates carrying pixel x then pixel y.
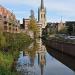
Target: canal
{"type": "Point", "coordinates": [35, 60]}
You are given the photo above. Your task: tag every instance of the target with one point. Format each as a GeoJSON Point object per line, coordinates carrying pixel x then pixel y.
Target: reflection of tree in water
{"type": "Point", "coordinates": [24, 65]}
{"type": "Point", "coordinates": [32, 52]}
{"type": "Point", "coordinates": [29, 55]}
{"type": "Point", "coordinates": [27, 58]}
{"type": "Point", "coordinates": [40, 49]}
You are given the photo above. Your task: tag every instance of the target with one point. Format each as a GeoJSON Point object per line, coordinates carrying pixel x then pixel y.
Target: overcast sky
{"type": "Point", "coordinates": [55, 8]}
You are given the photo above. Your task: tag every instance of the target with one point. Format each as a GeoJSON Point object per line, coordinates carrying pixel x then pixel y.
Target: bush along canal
{"type": "Point", "coordinates": [10, 46]}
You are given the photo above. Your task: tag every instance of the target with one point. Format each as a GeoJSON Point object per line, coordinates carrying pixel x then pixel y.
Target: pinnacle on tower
{"type": "Point", "coordinates": [61, 18]}
{"type": "Point", "coordinates": [42, 4]}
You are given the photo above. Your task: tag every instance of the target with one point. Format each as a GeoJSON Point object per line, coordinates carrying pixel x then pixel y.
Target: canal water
{"type": "Point", "coordinates": [35, 60]}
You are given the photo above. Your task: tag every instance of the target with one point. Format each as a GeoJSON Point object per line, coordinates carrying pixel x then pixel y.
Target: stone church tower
{"type": "Point", "coordinates": [42, 14]}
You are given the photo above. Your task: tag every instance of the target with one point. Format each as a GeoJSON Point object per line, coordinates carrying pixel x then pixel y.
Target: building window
{"type": "Point", "coordinates": [5, 22]}
{"type": "Point", "coordinates": [13, 29]}
{"type": "Point", "coordinates": [4, 16]}
{"type": "Point", "coordinates": [9, 23]}
{"type": "Point", "coordinates": [9, 28]}
{"type": "Point", "coordinates": [16, 29]}
{"type": "Point", "coordinates": [41, 15]}
{"type": "Point", "coordinates": [5, 27]}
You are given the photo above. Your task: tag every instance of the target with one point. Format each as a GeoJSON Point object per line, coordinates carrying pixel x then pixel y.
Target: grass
{"type": "Point", "coordinates": [5, 63]}
{"type": "Point", "coordinates": [8, 58]}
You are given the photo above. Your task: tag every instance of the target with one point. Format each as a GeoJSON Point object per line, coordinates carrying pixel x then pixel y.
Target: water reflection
{"type": "Point", "coordinates": [36, 61]}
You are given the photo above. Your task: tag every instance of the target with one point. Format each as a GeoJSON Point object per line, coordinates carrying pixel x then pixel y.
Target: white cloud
{"type": "Point", "coordinates": [64, 8]}
{"type": "Point", "coordinates": [57, 5]}
{"type": "Point", "coordinates": [67, 5]}
{"type": "Point", "coordinates": [20, 2]}
{"type": "Point", "coordinates": [60, 5]}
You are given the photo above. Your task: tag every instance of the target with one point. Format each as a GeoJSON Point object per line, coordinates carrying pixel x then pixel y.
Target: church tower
{"type": "Point", "coordinates": [42, 14]}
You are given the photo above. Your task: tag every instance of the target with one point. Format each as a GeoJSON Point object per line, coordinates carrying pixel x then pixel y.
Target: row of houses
{"type": "Point", "coordinates": [68, 27]}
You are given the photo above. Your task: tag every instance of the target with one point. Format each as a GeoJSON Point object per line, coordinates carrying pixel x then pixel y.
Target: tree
{"type": "Point", "coordinates": [33, 24]}
{"type": "Point", "coordinates": [2, 38]}
{"type": "Point", "coordinates": [70, 29]}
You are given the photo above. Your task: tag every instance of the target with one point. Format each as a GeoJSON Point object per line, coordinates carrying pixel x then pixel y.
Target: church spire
{"type": "Point", "coordinates": [42, 14]}
{"type": "Point", "coordinates": [42, 4]}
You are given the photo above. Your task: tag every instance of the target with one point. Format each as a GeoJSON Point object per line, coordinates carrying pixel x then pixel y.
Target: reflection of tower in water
{"type": "Point", "coordinates": [41, 61]}
{"type": "Point", "coordinates": [41, 57]}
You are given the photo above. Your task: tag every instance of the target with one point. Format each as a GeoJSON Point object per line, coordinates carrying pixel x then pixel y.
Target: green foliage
{"type": "Point", "coordinates": [17, 41]}
{"type": "Point", "coordinates": [31, 50]}
{"type": "Point", "coordinates": [6, 60]}
{"type": "Point", "coordinates": [2, 40]}
{"type": "Point", "coordinates": [33, 26]}
{"type": "Point", "coordinates": [70, 29]}
{"type": "Point", "coordinates": [10, 51]}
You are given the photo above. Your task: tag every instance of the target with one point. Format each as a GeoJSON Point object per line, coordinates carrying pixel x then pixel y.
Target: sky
{"type": "Point", "coordinates": [54, 8]}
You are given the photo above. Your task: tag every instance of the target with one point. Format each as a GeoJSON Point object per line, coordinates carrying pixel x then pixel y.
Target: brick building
{"type": "Point", "coordinates": [26, 23]}
{"type": "Point", "coordinates": [8, 21]}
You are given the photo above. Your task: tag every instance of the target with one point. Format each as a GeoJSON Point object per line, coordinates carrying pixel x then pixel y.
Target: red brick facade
{"type": "Point", "coordinates": [26, 23]}
{"type": "Point", "coordinates": [8, 21]}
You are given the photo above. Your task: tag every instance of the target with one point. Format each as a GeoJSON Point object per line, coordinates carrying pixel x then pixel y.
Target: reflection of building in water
{"type": "Point", "coordinates": [41, 56]}
{"type": "Point", "coordinates": [41, 61]}
{"type": "Point", "coordinates": [32, 61]}
{"type": "Point", "coordinates": [41, 47]}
